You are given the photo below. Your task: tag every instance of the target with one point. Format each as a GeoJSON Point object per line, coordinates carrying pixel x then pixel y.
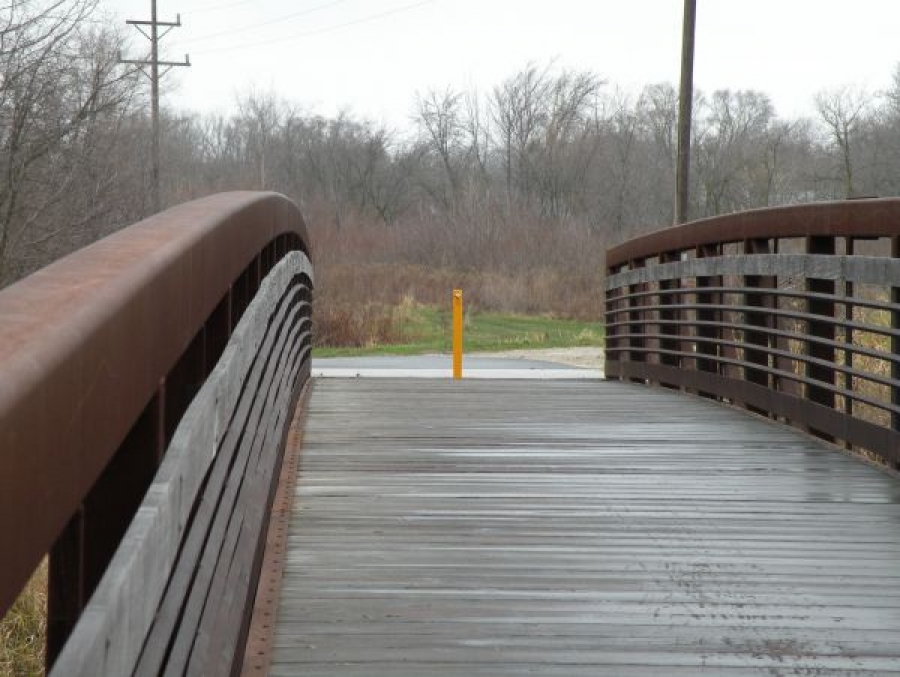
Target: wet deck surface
{"type": "Point", "coordinates": [579, 528]}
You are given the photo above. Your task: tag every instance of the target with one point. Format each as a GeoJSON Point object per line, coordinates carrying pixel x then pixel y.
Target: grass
{"type": "Point", "coordinates": [427, 329]}
{"type": "Point", "coordinates": [23, 629]}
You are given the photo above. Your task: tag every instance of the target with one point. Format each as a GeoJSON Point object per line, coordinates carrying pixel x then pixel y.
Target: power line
{"type": "Point", "coordinates": [327, 29]}
{"type": "Point", "coordinates": [269, 22]}
{"type": "Point", "coordinates": [219, 7]}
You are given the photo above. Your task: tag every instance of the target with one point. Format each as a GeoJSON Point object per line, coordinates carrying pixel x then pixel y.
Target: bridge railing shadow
{"type": "Point", "coordinates": [791, 312]}
{"type": "Point", "coordinates": [146, 386]}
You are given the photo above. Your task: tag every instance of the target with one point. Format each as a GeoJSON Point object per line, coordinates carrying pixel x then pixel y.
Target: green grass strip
{"type": "Point", "coordinates": [426, 329]}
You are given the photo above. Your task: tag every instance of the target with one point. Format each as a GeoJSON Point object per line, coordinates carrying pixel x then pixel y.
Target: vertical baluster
{"type": "Point", "coordinates": [820, 394]}
{"type": "Point", "coordinates": [613, 343]}
{"type": "Point", "coordinates": [847, 380]}
{"type": "Point", "coordinates": [637, 327]}
{"type": "Point", "coordinates": [708, 353]}
{"type": "Point", "coordinates": [668, 313]}
{"type": "Point", "coordinates": [762, 319]}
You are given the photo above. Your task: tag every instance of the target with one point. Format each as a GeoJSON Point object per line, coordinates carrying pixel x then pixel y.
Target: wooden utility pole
{"type": "Point", "coordinates": [154, 37]}
{"type": "Point", "coordinates": [685, 106]}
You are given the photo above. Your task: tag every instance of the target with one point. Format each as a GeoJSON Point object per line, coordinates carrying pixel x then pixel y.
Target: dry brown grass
{"type": "Point", "coordinates": [23, 630]}
{"type": "Point", "coordinates": [504, 262]}
{"type": "Point", "coordinates": [362, 304]}
{"type": "Point", "coordinates": [872, 365]}
{"type": "Point", "coordinates": [356, 326]}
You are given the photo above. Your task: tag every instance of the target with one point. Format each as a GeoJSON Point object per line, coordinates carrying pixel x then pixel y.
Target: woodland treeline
{"type": "Point", "coordinates": [529, 180]}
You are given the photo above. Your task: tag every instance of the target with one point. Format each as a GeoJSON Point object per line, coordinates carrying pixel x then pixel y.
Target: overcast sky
{"type": "Point", "coordinates": [372, 56]}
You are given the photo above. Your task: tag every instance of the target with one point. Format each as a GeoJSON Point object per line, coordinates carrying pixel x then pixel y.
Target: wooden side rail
{"type": "Point", "coordinates": [793, 313]}
{"type": "Point", "coordinates": [100, 355]}
{"type": "Point", "coordinates": [177, 596]}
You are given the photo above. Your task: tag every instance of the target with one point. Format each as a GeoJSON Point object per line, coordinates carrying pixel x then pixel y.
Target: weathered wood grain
{"type": "Point", "coordinates": [875, 270]}
{"type": "Point", "coordinates": [579, 528]}
{"type": "Point", "coordinates": [149, 609]}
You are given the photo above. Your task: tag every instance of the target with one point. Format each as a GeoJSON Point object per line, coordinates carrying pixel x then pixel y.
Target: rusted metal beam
{"type": "Point", "coordinates": [857, 218]}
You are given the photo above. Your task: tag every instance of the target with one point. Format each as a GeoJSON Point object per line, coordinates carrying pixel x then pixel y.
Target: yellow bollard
{"type": "Point", "coordinates": [457, 333]}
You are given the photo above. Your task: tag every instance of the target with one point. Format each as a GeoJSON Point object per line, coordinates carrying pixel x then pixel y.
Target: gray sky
{"type": "Point", "coordinates": [371, 56]}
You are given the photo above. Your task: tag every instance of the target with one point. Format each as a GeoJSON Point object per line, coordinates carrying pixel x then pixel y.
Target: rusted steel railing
{"type": "Point", "coordinates": [793, 313]}
{"type": "Point", "coordinates": [101, 355]}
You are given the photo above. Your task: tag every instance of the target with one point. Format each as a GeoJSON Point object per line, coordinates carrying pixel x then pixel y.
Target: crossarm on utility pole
{"type": "Point", "coordinates": [154, 64]}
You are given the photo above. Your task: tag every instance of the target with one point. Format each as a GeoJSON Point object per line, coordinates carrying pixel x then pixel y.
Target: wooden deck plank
{"type": "Point", "coordinates": [579, 528]}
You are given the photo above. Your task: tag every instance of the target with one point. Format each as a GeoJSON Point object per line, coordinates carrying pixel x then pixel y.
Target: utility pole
{"type": "Point", "coordinates": [154, 37]}
{"type": "Point", "coordinates": [685, 106]}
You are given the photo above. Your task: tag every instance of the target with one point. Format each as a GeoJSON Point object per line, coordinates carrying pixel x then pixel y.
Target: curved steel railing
{"type": "Point", "coordinates": [792, 312]}
{"type": "Point", "coordinates": [100, 355]}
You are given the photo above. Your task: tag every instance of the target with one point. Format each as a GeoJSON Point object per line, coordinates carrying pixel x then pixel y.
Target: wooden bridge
{"type": "Point", "coordinates": [208, 509]}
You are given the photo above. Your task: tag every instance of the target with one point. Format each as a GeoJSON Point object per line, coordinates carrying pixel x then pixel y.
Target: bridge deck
{"type": "Point", "coordinates": [579, 528]}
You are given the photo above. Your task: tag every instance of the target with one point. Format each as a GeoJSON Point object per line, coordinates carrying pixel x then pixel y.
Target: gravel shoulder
{"type": "Point", "coordinates": [586, 357]}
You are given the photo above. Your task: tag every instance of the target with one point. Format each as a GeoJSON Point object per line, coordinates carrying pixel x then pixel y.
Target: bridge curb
{"type": "Point", "coordinates": [261, 635]}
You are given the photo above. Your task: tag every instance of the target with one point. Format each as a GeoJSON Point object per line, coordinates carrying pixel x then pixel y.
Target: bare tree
{"type": "Point", "coordinates": [518, 107]}
{"type": "Point", "coordinates": [658, 110]}
{"type": "Point", "coordinates": [261, 114]}
{"type": "Point", "coordinates": [479, 135]}
{"type": "Point", "coordinates": [561, 160]}
{"type": "Point", "coordinates": [439, 117]}
{"type": "Point", "coordinates": [730, 148]}
{"type": "Point", "coordinates": [842, 111]}
{"type": "Point", "coordinates": [60, 80]}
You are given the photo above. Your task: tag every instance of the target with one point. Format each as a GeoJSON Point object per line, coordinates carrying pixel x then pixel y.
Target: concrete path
{"type": "Point", "coordinates": [440, 366]}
